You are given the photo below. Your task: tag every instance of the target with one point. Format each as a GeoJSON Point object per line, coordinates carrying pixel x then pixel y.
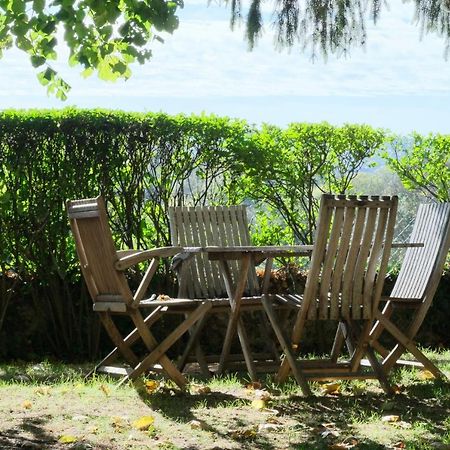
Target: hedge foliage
{"type": "Point", "coordinates": [142, 164]}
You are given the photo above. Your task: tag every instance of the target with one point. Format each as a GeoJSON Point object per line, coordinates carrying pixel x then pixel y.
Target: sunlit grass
{"type": "Point", "coordinates": [56, 399]}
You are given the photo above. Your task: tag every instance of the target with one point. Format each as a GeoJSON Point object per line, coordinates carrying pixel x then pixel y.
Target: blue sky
{"type": "Point", "coordinates": [398, 81]}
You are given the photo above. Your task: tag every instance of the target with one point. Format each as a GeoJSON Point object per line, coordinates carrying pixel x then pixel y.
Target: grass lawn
{"type": "Point", "coordinates": [50, 406]}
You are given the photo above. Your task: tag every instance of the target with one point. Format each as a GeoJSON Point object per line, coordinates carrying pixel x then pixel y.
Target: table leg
{"type": "Point", "coordinates": [234, 321]}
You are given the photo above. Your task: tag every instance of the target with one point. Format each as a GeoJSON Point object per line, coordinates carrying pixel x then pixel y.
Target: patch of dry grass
{"type": "Point", "coordinates": [44, 404]}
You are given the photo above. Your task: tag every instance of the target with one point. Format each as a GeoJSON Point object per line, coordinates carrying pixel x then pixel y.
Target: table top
{"type": "Point", "coordinates": [236, 252]}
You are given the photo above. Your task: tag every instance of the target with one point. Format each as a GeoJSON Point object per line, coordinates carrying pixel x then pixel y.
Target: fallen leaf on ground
{"type": "Point", "coordinates": [254, 385]}
{"type": "Point", "coordinates": [426, 375]}
{"type": "Point", "coordinates": [258, 404]}
{"type": "Point", "coordinates": [151, 386]}
{"type": "Point", "coordinates": [119, 423]}
{"type": "Point", "coordinates": [27, 404]}
{"type": "Point", "coordinates": [269, 427]}
{"type": "Point", "coordinates": [246, 433]}
{"type": "Point", "coordinates": [67, 439]}
{"type": "Point", "coordinates": [273, 420]}
{"type": "Point", "coordinates": [198, 425]}
{"type": "Point", "coordinates": [200, 389]}
{"type": "Point", "coordinates": [143, 422]}
{"type": "Point", "coordinates": [399, 444]}
{"type": "Point", "coordinates": [391, 418]}
{"type": "Point", "coordinates": [331, 388]}
{"type": "Point", "coordinates": [42, 390]}
{"type": "Point", "coordinates": [105, 389]}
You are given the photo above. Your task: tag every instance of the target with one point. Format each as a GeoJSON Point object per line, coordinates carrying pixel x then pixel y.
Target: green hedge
{"type": "Point", "coordinates": [142, 164]}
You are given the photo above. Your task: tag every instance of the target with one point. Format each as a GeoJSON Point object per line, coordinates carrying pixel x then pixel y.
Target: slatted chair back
{"type": "Point", "coordinates": [422, 267]}
{"type": "Point", "coordinates": [107, 286]}
{"type": "Point", "coordinates": [201, 226]}
{"type": "Point", "coordinates": [350, 257]}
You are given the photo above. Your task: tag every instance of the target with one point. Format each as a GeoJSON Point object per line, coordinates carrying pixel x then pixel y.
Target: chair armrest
{"type": "Point", "coordinates": [132, 257]}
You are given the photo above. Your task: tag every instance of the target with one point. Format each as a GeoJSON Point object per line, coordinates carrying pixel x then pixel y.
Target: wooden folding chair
{"type": "Point", "coordinates": [415, 286]}
{"type": "Point", "coordinates": [344, 284]}
{"type": "Point", "coordinates": [222, 226]}
{"type": "Point", "coordinates": [103, 270]}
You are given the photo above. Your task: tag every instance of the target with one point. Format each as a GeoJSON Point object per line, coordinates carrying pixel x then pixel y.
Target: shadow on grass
{"type": "Point", "coordinates": [37, 437]}
{"type": "Point", "coordinates": [324, 421]}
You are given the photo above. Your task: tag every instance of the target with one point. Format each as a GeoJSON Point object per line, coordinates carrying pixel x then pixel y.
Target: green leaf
{"type": "Point", "coordinates": [38, 5]}
{"type": "Point", "coordinates": [37, 61]}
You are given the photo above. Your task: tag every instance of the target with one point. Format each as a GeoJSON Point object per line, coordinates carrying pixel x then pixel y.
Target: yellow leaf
{"type": "Point", "coordinates": [426, 375]}
{"type": "Point", "coordinates": [143, 423]}
{"type": "Point", "coordinates": [67, 439]}
{"type": "Point", "coordinates": [200, 389]}
{"type": "Point", "coordinates": [151, 386]}
{"type": "Point", "coordinates": [273, 420]}
{"type": "Point", "coordinates": [105, 389]}
{"type": "Point", "coordinates": [27, 404]}
{"type": "Point", "coordinates": [119, 423]}
{"type": "Point", "coordinates": [43, 390]}
{"type": "Point", "coordinates": [391, 418]}
{"type": "Point", "coordinates": [331, 388]}
{"type": "Point", "coordinates": [247, 433]}
{"type": "Point", "coordinates": [254, 385]}
{"type": "Point", "coordinates": [258, 403]}
{"type": "Point", "coordinates": [198, 425]}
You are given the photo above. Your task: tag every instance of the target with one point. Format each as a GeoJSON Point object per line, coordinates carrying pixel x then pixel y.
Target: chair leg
{"type": "Point", "coordinates": [150, 342]}
{"type": "Point", "coordinates": [157, 352]}
{"type": "Point", "coordinates": [193, 342]}
{"type": "Point", "coordinates": [128, 341]}
{"type": "Point", "coordinates": [289, 356]}
{"type": "Point", "coordinates": [405, 343]}
{"type": "Point", "coordinates": [122, 345]}
{"type": "Point", "coordinates": [338, 342]}
{"type": "Point", "coordinates": [379, 371]}
{"type": "Point", "coordinates": [243, 338]}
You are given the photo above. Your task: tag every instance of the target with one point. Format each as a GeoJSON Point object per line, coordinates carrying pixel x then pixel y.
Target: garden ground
{"type": "Point", "coordinates": [50, 406]}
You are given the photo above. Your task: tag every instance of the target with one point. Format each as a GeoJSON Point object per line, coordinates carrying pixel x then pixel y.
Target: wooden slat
{"type": "Point", "coordinates": [203, 224]}
{"type": "Point", "coordinates": [374, 260]}
{"type": "Point", "coordinates": [200, 262]}
{"type": "Point", "coordinates": [358, 299]}
{"type": "Point", "coordinates": [350, 264]}
{"type": "Point", "coordinates": [312, 287]}
{"type": "Point", "coordinates": [205, 221]}
{"type": "Point", "coordinates": [338, 270]}
{"type": "Point", "coordinates": [330, 257]}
